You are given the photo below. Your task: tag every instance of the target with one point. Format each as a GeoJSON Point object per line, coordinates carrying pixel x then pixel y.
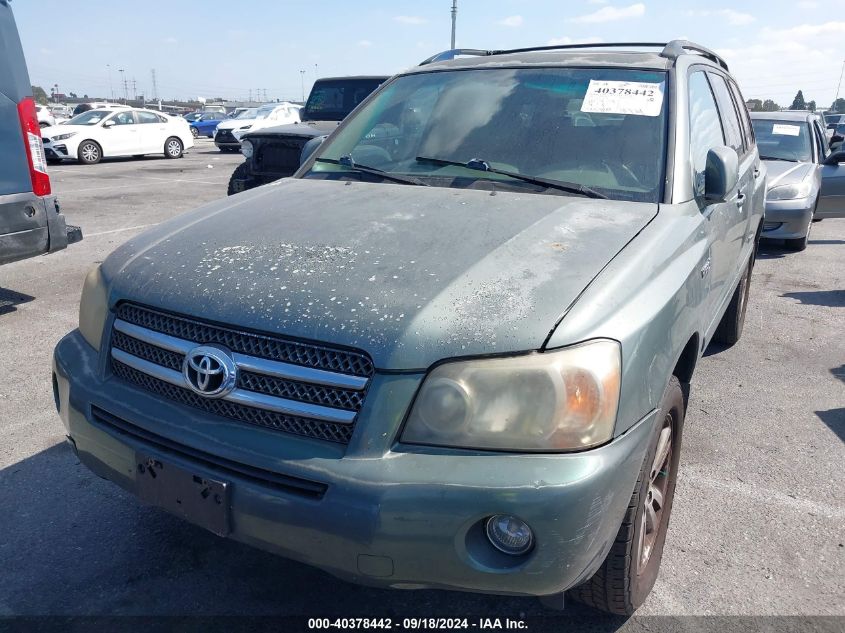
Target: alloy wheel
{"type": "Point", "coordinates": [654, 502]}
{"type": "Point", "coordinates": [174, 148]}
{"type": "Point", "coordinates": [90, 152]}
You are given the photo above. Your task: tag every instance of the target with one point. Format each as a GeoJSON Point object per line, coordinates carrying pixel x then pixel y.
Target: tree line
{"type": "Point", "coordinates": [798, 103]}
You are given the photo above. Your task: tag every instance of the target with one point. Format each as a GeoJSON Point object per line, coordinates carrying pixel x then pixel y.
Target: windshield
{"type": "Point", "coordinates": [92, 117]}
{"type": "Point", "coordinates": [601, 129]}
{"type": "Point", "coordinates": [333, 100]}
{"type": "Point", "coordinates": [783, 140]}
{"type": "Point", "coordinates": [264, 111]}
{"type": "Point", "coordinates": [249, 113]}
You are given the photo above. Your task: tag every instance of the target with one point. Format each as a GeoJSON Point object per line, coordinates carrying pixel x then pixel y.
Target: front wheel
{"type": "Point", "coordinates": [239, 179]}
{"type": "Point", "coordinates": [173, 148]}
{"type": "Point", "coordinates": [89, 153]}
{"type": "Point", "coordinates": [629, 572]}
{"type": "Point", "coordinates": [195, 132]}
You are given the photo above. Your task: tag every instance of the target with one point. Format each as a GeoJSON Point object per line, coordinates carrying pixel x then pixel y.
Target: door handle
{"type": "Point", "coordinates": [756, 172]}
{"type": "Point", "coordinates": [740, 200]}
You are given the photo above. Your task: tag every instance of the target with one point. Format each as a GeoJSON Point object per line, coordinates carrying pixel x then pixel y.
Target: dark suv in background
{"type": "Point", "coordinates": [274, 152]}
{"type": "Point", "coordinates": [30, 221]}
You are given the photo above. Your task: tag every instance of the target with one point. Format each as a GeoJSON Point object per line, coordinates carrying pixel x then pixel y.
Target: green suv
{"type": "Point", "coordinates": [455, 349]}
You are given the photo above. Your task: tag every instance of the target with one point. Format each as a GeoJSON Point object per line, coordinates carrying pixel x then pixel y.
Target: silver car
{"type": "Point", "coordinates": [806, 181]}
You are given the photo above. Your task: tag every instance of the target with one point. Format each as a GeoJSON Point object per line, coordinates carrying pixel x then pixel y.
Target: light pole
{"type": "Point", "coordinates": [123, 81]}
{"type": "Point", "coordinates": [302, 79]}
{"type": "Point", "coordinates": [454, 20]}
{"type": "Point", "coordinates": [111, 87]}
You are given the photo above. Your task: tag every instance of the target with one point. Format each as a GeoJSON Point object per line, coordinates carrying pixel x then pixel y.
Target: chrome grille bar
{"type": "Point", "coordinates": [249, 363]}
{"type": "Point", "coordinates": [240, 396]}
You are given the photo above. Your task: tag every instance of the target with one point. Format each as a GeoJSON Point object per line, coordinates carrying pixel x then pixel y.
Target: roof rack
{"type": "Point", "coordinates": [670, 50]}
{"type": "Point", "coordinates": [449, 55]}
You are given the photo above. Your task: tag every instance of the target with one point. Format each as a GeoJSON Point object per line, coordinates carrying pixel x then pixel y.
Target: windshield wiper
{"type": "Point", "coordinates": [346, 161]}
{"type": "Point", "coordinates": [477, 164]}
{"type": "Point", "coordinates": [788, 160]}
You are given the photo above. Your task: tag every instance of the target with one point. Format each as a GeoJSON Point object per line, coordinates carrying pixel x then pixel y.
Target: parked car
{"type": "Point", "coordinates": [275, 152]}
{"type": "Point", "coordinates": [227, 134]}
{"type": "Point", "coordinates": [805, 180]}
{"type": "Point", "coordinates": [45, 117]}
{"type": "Point", "coordinates": [204, 123]}
{"type": "Point", "coordinates": [837, 134]}
{"type": "Point", "coordinates": [30, 221]}
{"type": "Point", "coordinates": [61, 112]}
{"type": "Point", "coordinates": [84, 107]}
{"type": "Point", "coordinates": [285, 113]}
{"type": "Point", "coordinates": [106, 133]}
{"type": "Point", "coordinates": [455, 349]}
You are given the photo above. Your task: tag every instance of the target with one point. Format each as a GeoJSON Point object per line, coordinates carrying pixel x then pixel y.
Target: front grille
{"type": "Point", "coordinates": [279, 156]}
{"type": "Point", "coordinates": [304, 389]}
{"type": "Point", "coordinates": [225, 136]}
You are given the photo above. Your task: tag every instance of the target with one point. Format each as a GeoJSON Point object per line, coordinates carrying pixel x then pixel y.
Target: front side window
{"type": "Point", "coordinates": [705, 131]}
{"type": "Point", "coordinates": [124, 118]}
{"type": "Point", "coordinates": [783, 140]}
{"type": "Point", "coordinates": [603, 129]}
{"type": "Point", "coordinates": [730, 120]}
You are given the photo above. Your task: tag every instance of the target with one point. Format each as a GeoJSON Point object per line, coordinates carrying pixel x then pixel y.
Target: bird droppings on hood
{"type": "Point", "coordinates": [409, 275]}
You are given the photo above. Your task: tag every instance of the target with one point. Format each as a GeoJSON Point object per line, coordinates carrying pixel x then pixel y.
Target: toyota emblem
{"type": "Point", "coordinates": [210, 371]}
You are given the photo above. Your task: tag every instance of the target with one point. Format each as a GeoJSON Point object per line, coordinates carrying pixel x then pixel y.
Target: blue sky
{"type": "Point", "coordinates": [213, 48]}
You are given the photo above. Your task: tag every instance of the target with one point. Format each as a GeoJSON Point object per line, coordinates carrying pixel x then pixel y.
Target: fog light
{"type": "Point", "coordinates": [509, 534]}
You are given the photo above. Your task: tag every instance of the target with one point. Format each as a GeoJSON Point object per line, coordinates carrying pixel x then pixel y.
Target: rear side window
{"type": "Point", "coordinates": [730, 120]}
{"type": "Point", "coordinates": [148, 117]}
{"type": "Point", "coordinates": [705, 130]}
{"type": "Point", "coordinates": [744, 117]}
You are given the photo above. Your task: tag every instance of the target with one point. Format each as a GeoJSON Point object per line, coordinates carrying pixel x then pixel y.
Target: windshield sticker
{"type": "Point", "coordinates": [623, 97]}
{"type": "Point", "coordinates": [786, 130]}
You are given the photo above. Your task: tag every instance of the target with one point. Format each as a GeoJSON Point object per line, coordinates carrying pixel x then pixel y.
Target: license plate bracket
{"type": "Point", "coordinates": [191, 496]}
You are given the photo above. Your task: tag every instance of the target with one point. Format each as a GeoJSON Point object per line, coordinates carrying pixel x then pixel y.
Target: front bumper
{"type": "Point", "coordinates": [788, 219]}
{"type": "Point", "coordinates": [389, 515]}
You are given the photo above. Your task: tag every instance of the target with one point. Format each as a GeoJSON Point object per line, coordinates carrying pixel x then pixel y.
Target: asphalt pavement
{"type": "Point", "coordinates": [758, 526]}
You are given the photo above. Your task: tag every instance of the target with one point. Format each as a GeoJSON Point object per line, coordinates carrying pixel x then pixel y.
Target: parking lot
{"type": "Point", "coordinates": [757, 527]}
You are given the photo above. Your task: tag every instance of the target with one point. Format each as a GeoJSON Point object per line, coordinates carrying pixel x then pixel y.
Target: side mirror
{"type": "Point", "coordinates": [837, 157]}
{"type": "Point", "coordinates": [310, 147]}
{"type": "Point", "coordinates": [721, 174]}
{"type": "Point", "coordinates": [109, 123]}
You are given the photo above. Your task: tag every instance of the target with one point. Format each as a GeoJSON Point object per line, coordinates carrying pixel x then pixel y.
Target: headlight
{"type": "Point", "coordinates": [62, 137]}
{"type": "Point", "coordinates": [246, 149]}
{"type": "Point", "coordinates": [560, 400]}
{"type": "Point", "coordinates": [790, 192]}
{"type": "Point", "coordinates": [93, 308]}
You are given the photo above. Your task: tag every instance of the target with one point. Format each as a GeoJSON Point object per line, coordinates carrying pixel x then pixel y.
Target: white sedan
{"type": "Point", "coordinates": [107, 132]}
{"type": "Point", "coordinates": [271, 115]}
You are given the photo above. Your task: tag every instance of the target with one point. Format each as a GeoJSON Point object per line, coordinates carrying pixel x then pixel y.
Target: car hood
{"type": "Point", "coordinates": [232, 124]}
{"type": "Point", "coordinates": [308, 129]}
{"type": "Point", "coordinates": [786, 172]}
{"type": "Point", "coordinates": [411, 275]}
{"type": "Point", "coordinates": [55, 130]}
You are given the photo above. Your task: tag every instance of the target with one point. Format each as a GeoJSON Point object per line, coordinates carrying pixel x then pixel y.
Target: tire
{"type": "Point", "coordinates": [173, 148]}
{"type": "Point", "coordinates": [730, 327]}
{"type": "Point", "coordinates": [629, 572]}
{"type": "Point", "coordinates": [240, 174]}
{"type": "Point", "coordinates": [54, 161]}
{"type": "Point", "coordinates": [89, 153]}
{"type": "Point", "coordinates": [195, 132]}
